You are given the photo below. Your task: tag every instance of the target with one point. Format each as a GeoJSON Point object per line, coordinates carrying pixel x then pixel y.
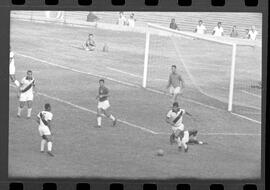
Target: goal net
{"type": "Point", "coordinates": [218, 71]}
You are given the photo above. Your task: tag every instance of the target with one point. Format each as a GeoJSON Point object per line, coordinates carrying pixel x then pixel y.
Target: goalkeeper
{"type": "Point", "coordinates": [175, 84]}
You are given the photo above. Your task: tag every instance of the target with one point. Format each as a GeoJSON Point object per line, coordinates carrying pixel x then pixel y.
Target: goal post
{"type": "Point", "coordinates": [153, 30]}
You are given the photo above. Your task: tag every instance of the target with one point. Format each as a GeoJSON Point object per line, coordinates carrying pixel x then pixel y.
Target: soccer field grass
{"type": "Point", "coordinates": [67, 77]}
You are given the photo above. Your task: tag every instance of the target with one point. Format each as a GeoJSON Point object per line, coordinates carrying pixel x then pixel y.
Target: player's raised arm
{"type": "Point", "coordinates": [189, 114]}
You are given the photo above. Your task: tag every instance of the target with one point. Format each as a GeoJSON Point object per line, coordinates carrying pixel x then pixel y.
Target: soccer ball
{"type": "Point", "coordinates": [160, 152]}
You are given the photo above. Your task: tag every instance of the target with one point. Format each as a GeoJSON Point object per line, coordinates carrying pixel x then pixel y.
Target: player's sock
{"type": "Point", "coordinates": [29, 112]}
{"type": "Point", "coordinates": [42, 144]}
{"type": "Point", "coordinates": [179, 142]}
{"type": "Point", "coordinates": [99, 121]}
{"type": "Point", "coordinates": [112, 118]}
{"type": "Point", "coordinates": [19, 111]}
{"type": "Point", "coordinates": [49, 144]}
{"type": "Point", "coordinates": [17, 83]}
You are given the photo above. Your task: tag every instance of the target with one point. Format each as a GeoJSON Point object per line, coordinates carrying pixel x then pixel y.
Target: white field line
{"type": "Point", "coordinates": [247, 118]}
{"type": "Point", "coordinates": [92, 111]}
{"type": "Point", "coordinates": [133, 75]}
{"type": "Point", "coordinates": [252, 94]}
{"type": "Point", "coordinates": [128, 84]}
{"type": "Point", "coordinates": [131, 124]}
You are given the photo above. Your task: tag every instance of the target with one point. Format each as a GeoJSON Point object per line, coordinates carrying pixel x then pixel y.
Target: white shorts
{"type": "Point", "coordinates": [26, 97]}
{"type": "Point", "coordinates": [104, 105]}
{"type": "Point", "coordinates": [185, 138]}
{"type": "Point", "coordinates": [176, 90]}
{"type": "Point", "coordinates": [178, 127]}
{"type": "Point", "coordinates": [44, 130]}
{"type": "Point", "coordinates": [12, 69]}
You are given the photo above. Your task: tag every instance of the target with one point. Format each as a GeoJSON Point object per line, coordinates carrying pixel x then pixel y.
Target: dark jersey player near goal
{"type": "Point", "coordinates": [103, 104]}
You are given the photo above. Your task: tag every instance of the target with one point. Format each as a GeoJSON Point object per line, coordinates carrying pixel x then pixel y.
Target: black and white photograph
{"type": "Point", "coordinates": [135, 95]}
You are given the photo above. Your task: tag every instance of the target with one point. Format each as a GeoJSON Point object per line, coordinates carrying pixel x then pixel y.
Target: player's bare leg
{"type": "Point", "coordinates": [42, 143]}
{"type": "Point", "coordinates": [172, 138]}
{"type": "Point", "coordinates": [29, 110]}
{"type": "Point", "coordinates": [49, 145]}
{"type": "Point", "coordinates": [20, 108]}
{"type": "Point", "coordinates": [179, 143]}
{"type": "Point", "coordinates": [13, 79]}
{"type": "Point", "coordinates": [107, 112]}
{"type": "Point", "coordinates": [99, 118]}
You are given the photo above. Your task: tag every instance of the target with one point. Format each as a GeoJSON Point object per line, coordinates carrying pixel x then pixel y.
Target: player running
{"type": "Point", "coordinates": [175, 84]}
{"type": "Point", "coordinates": [180, 135]}
{"type": "Point", "coordinates": [12, 69]}
{"type": "Point", "coordinates": [26, 93]}
{"type": "Point", "coordinates": [103, 104]}
{"type": "Point", "coordinates": [44, 119]}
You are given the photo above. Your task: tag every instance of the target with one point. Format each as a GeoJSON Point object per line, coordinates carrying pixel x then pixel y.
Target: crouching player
{"type": "Point", "coordinates": [90, 44]}
{"type": "Point", "coordinates": [103, 104]}
{"type": "Point", "coordinates": [26, 93]}
{"type": "Point", "coordinates": [175, 119]}
{"type": "Point", "coordinates": [44, 119]}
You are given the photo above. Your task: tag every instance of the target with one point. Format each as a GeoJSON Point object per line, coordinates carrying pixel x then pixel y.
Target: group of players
{"type": "Point", "coordinates": [26, 90]}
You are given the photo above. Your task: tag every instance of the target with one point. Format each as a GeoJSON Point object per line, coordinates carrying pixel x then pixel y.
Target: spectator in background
{"type": "Point", "coordinates": [131, 21]}
{"type": "Point", "coordinates": [218, 30]}
{"type": "Point", "coordinates": [173, 25]}
{"type": "Point", "coordinates": [90, 44]}
{"type": "Point", "coordinates": [252, 34]}
{"type": "Point", "coordinates": [200, 29]}
{"type": "Point", "coordinates": [234, 33]}
{"type": "Point", "coordinates": [122, 19]}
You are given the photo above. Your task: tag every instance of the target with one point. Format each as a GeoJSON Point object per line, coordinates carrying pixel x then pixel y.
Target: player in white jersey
{"type": "Point", "coordinates": [175, 84]}
{"type": "Point", "coordinates": [26, 93]}
{"type": "Point", "coordinates": [218, 30]}
{"type": "Point", "coordinates": [252, 34]}
{"type": "Point", "coordinates": [12, 68]}
{"type": "Point", "coordinates": [44, 119]}
{"type": "Point", "coordinates": [200, 28]}
{"type": "Point", "coordinates": [182, 136]}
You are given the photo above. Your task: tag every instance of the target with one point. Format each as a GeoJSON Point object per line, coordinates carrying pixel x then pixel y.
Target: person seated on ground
{"type": "Point", "coordinates": [173, 25]}
{"type": "Point", "coordinates": [218, 30]}
{"type": "Point", "coordinates": [90, 44]}
{"type": "Point", "coordinates": [234, 32]}
{"type": "Point", "coordinates": [200, 29]}
{"type": "Point", "coordinates": [252, 34]}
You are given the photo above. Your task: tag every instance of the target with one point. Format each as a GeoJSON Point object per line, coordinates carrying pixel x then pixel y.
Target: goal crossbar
{"type": "Point", "coordinates": [220, 40]}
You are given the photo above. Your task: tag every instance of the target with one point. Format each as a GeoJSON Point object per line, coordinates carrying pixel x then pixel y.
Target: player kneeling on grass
{"type": "Point", "coordinates": [90, 44]}
{"type": "Point", "coordinates": [175, 119]}
{"type": "Point", "coordinates": [175, 84]}
{"type": "Point", "coordinates": [44, 119]}
{"type": "Point", "coordinates": [103, 104]}
{"type": "Point", "coordinates": [26, 93]}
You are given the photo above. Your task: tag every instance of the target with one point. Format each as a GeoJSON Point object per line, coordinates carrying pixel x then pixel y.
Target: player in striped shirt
{"type": "Point", "coordinates": [26, 93]}
{"type": "Point", "coordinates": [182, 136]}
{"type": "Point", "coordinates": [103, 104]}
{"type": "Point", "coordinates": [175, 84]}
{"type": "Point", "coordinates": [44, 119]}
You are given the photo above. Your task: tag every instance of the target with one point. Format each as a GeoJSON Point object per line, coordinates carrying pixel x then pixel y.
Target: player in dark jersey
{"type": "Point", "coordinates": [103, 104]}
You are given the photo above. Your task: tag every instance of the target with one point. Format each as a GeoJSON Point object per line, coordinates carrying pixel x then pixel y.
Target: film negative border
{"type": "Point", "coordinates": [141, 5]}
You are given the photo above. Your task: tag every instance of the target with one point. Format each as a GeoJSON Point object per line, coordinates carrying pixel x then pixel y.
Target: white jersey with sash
{"type": "Point", "coordinates": [26, 89]}
{"type": "Point", "coordinates": [177, 119]}
{"type": "Point", "coordinates": [44, 116]}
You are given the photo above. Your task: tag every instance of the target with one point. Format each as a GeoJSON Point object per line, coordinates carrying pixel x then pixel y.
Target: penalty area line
{"type": "Point", "coordinates": [129, 84]}
{"type": "Point", "coordinates": [131, 124]}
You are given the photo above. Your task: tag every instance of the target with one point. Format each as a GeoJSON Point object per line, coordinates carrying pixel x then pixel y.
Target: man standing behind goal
{"type": "Point", "coordinates": [175, 84]}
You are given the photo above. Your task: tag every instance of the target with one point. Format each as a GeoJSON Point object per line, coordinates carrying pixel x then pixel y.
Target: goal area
{"type": "Point", "coordinates": [218, 71]}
